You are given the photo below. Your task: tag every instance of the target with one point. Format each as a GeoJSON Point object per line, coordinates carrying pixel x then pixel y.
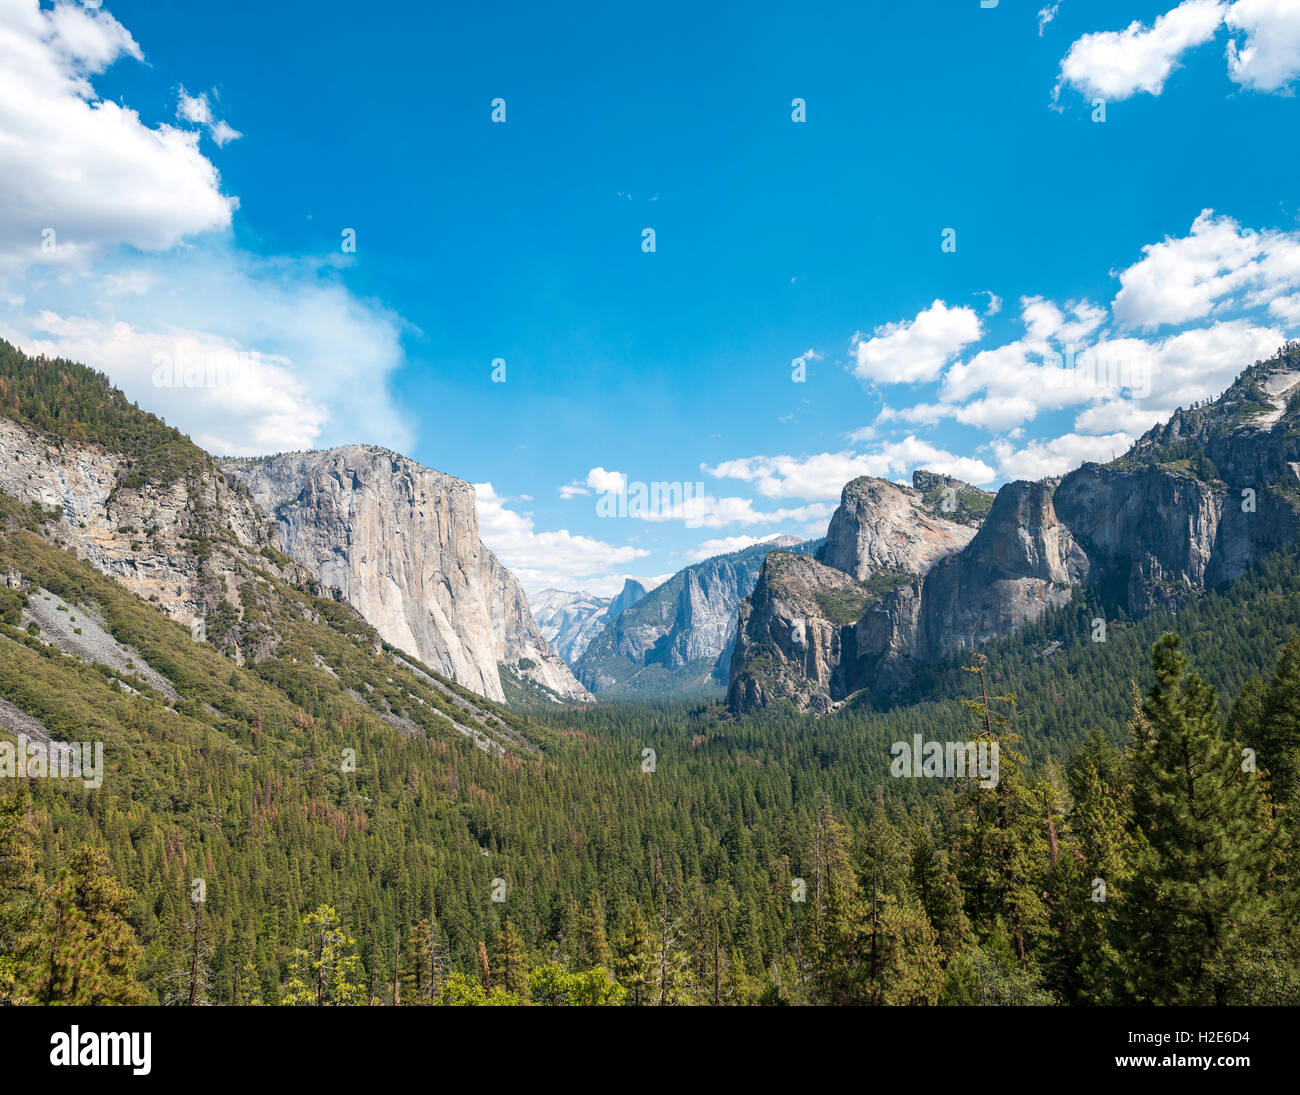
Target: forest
{"type": "Point", "coordinates": [1139, 845]}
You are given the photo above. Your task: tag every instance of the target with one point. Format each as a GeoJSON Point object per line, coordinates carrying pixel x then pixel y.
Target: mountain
{"type": "Point", "coordinates": [569, 621]}
{"type": "Point", "coordinates": [794, 637]}
{"type": "Point", "coordinates": [1193, 504]}
{"type": "Point", "coordinates": [400, 542]}
{"type": "Point", "coordinates": [677, 639]}
{"type": "Point", "coordinates": [118, 529]}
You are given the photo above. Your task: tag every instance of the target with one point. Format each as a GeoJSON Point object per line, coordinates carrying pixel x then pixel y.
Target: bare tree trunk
{"type": "Point", "coordinates": [194, 959]}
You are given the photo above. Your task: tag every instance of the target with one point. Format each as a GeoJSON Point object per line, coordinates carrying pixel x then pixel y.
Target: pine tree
{"type": "Point", "coordinates": [90, 949]}
{"type": "Point", "coordinates": [1089, 880]}
{"type": "Point", "coordinates": [593, 946]}
{"type": "Point", "coordinates": [325, 969]}
{"type": "Point", "coordinates": [1277, 730]}
{"type": "Point", "coordinates": [1205, 834]}
{"type": "Point", "coordinates": [1004, 831]}
{"type": "Point", "coordinates": [934, 884]}
{"type": "Point", "coordinates": [510, 962]}
{"type": "Point", "coordinates": [634, 958]}
{"type": "Point", "coordinates": [836, 934]}
{"type": "Point", "coordinates": [19, 895]}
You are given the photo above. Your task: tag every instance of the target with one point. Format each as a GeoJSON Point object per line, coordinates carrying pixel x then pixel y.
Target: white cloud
{"type": "Point", "coordinates": [1115, 65]}
{"type": "Point", "coordinates": [602, 481]}
{"type": "Point", "coordinates": [1045, 16]}
{"type": "Point", "coordinates": [707, 511]}
{"type": "Point", "coordinates": [1269, 57]}
{"type": "Point", "coordinates": [231, 402]}
{"type": "Point", "coordinates": [88, 168]}
{"type": "Point", "coordinates": [1045, 322]}
{"type": "Point", "coordinates": [1218, 264]}
{"type": "Point", "coordinates": [1182, 369]}
{"type": "Point", "coordinates": [197, 110]}
{"type": "Point", "coordinates": [916, 350]}
{"type": "Point", "coordinates": [143, 264]}
{"type": "Point", "coordinates": [316, 358]}
{"type": "Point", "coordinates": [541, 560]}
{"type": "Point", "coordinates": [823, 476]}
{"type": "Point", "coordinates": [725, 545]}
{"type": "Point", "coordinates": [1040, 459]}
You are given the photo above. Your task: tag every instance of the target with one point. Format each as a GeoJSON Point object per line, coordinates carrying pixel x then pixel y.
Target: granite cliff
{"type": "Point", "coordinates": [400, 542]}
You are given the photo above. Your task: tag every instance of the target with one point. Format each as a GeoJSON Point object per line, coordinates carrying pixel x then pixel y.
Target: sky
{"type": "Point", "coordinates": [744, 251]}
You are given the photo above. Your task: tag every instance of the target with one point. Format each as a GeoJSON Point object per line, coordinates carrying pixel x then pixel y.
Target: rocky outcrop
{"type": "Point", "coordinates": [400, 542]}
{"type": "Point", "coordinates": [795, 638]}
{"type": "Point", "coordinates": [1193, 504]}
{"type": "Point", "coordinates": [679, 637]}
{"type": "Point", "coordinates": [187, 542]}
{"type": "Point", "coordinates": [883, 526]}
{"type": "Point", "coordinates": [520, 646]}
{"type": "Point", "coordinates": [569, 621]}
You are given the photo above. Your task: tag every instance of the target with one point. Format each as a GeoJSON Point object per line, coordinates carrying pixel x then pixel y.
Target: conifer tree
{"type": "Point", "coordinates": [593, 945]}
{"type": "Point", "coordinates": [90, 953]}
{"type": "Point", "coordinates": [634, 958]}
{"type": "Point", "coordinates": [19, 895]}
{"type": "Point", "coordinates": [510, 962]}
{"type": "Point", "coordinates": [325, 969]}
{"type": "Point", "coordinates": [1205, 836]}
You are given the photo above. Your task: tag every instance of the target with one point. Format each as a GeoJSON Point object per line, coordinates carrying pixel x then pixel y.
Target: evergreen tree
{"type": "Point", "coordinates": [90, 949]}
{"type": "Point", "coordinates": [19, 895]}
{"type": "Point", "coordinates": [510, 962]}
{"type": "Point", "coordinates": [325, 969]}
{"type": "Point", "coordinates": [1204, 832]}
{"type": "Point", "coordinates": [634, 958]}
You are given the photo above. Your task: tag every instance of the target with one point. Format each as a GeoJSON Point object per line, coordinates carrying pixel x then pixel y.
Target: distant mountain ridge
{"type": "Point", "coordinates": [677, 639]}
{"type": "Point", "coordinates": [569, 621]}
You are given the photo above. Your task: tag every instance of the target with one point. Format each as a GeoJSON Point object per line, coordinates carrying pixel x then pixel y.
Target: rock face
{"type": "Point", "coordinates": [1193, 504]}
{"type": "Point", "coordinates": [815, 631]}
{"type": "Point", "coordinates": [881, 525]}
{"type": "Point", "coordinates": [569, 621]}
{"type": "Point", "coordinates": [678, 638]}
{"type": "Point", "coordinates": [520, 646]}
{"type": "Point", "coordinates": [792, 640]}
{"type": "Point", "coordinates": [188, 544]}
{"type": "Point", "coordinates": [400, 542]}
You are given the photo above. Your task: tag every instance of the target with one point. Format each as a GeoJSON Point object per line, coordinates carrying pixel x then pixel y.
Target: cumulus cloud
{"type": "Point", "coordinates": [556, 560]}
{"type": "Point", "coordinates": [1179, 370]}
{"type": "Point", "coordinates": [824, 475]}
{"type": "Point", "coordinates": [1115, 65]}
{"type": "Point", "coordinates": [1268, 58]}
{"type": "Point", "coordinates": [916, 350]}
{"type": "Point", "coordinates": [725, 545]}
{"type": "Point", "coordinates": [1216, 266]}
{"type": "Point", "coordinates": [1263, 50]}
{"type": "Point", "coordinates": [231, 401]}
{"type": "Point", "coordinates": [1040, 459]}
{"type": "Point", "coordinates": [280, 354]}
{"type": "Point", "coordinates": [121, 232]}
{"type": "Point", "coordinates": [86, 169]}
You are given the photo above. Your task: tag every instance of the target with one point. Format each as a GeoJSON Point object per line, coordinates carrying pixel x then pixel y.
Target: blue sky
{"type": "Point", "coordinates": [199, 166]}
